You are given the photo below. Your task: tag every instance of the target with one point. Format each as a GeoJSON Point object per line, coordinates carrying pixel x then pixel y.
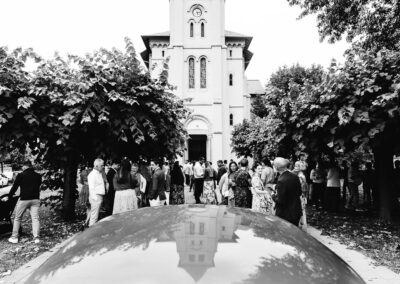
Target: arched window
{"type": "Point", "coordinates": [203, 73]}
{"type": "Point", "coordinates": [231, 119]}
{"type": "Point", "coordinates": [230, 79]}
{"type": "Point", "coordinates": [191, 73]}
{"type": "Point", "coordinates": [202, 29]}
{"type": "Point", "coordinates": [191, 29]}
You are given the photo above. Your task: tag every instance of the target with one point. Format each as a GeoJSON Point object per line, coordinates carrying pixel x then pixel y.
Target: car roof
{"type": "Point", "coordinates": [194, 244]}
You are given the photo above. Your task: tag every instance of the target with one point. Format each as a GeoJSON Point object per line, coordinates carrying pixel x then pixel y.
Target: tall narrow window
{"type": "Point", "coordinates": [202, 30]}
{"type": "Point", "coordinates": [203, 73]}
{"type": "Point", "coordinates": [230, 53]}
{"type": "Point", "coordinates": [192, 227]}
{"type": "Point", "coordinates": [230, 80]}
{"type": "Point", "coordinates": [163, 53]}
{"type": "Point", "coordinates": [191, 73]}
{"type": "Point", "coordinates": [191, 29]}
{"type": "Point", "coordinates": [231, 119]}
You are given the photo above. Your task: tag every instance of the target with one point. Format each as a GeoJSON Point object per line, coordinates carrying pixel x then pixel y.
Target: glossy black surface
{"type": "Point", "coordinates": [194, 244]}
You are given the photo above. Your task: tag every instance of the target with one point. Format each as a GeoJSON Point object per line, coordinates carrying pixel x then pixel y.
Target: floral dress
{"type": "Point", "coordinates": [243, 196]}
{"type": "Point", "coordinates": [209, 194]}
{"type": "Point", "coordinates": [262, 202]}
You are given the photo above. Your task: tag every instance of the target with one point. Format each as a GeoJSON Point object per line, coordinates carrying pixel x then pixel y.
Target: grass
{"type": "Point", "coordinates": [362, 231]}
{"type": "Point", "coordinates": [53, 230]}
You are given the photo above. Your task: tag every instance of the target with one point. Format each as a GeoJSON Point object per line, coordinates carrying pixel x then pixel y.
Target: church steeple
{"type": "Point", "coordinates": [197, 23]}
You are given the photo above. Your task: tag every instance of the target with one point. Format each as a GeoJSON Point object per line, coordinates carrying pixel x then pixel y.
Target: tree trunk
{"type": "Point", "coordinates": [388, 204]}
{"type": "Point", "coordinates": [70, 193]}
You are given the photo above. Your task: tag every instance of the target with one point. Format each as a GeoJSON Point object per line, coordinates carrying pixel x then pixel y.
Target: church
{"type": "Point", "coordinates": [207, 64]}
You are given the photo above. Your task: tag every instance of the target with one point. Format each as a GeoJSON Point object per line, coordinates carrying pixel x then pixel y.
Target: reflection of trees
{"type": "Point", "coordinates": [121, 232]}
{"type": "Point", "coordinates": [313, 262]}
{"type": "Point", "coordinates": [309, 262]}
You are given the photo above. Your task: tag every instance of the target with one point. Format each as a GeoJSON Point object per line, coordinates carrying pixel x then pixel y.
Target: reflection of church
{"type": "Point", "coordinates": [197, 238]}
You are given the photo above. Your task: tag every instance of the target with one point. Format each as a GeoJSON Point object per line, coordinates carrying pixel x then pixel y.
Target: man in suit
{"type": "Point", "coordinates": [158, 186]}
{"type": "Point", "coordinates": [109, 197]}
{"type": "Point", "coordinates": [29, 183]}
{"type": "Point", "coordinates": [288, 192]}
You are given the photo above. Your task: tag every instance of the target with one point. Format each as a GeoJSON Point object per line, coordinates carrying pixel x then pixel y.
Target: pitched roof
{"type": "Point", "coordinates": [228, 35]}
{"type": "Point", "coordinates": [254, 87]}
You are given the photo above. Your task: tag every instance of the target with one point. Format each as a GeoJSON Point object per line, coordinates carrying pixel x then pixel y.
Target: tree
{"type": "Point", "coordinates": [375, 23]}
{"type": "Point", "coordinates": [77, 109]}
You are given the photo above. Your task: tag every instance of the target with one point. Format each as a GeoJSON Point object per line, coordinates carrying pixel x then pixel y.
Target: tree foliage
{"type": "Point", "coordinates": [376, 23]}
{"type": "Point", "coordinates": [75, 109]}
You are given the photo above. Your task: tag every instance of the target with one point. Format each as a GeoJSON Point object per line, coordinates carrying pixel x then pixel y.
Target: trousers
{"type": "Point", "coordinates": [33, 206]}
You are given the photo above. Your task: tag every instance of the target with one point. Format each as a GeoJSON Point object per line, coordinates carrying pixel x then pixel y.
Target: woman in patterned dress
{"type": "Point", "coordinates": [262, 200]}
{"type": "Point", "coordinates": [177, 194]}
{"type": "Point", "coordinates": [209, 194]}
{"type": "Point", "coordinates": [227, 185]}
{"type": "Point", "coordinates": [243, 196]}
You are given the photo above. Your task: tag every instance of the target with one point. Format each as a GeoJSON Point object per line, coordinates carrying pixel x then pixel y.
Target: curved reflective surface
{"type": "Point", "coordinates": [194, 244]}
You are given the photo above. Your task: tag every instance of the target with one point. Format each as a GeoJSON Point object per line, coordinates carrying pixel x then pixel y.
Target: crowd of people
{"type": "Point", "coordinates": [125, 186]}
{"type": "Point", "coordinates": [280, 188]}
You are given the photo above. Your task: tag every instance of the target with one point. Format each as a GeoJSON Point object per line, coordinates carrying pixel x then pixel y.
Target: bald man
{"type": "Point", "coordinates": [288, 192]}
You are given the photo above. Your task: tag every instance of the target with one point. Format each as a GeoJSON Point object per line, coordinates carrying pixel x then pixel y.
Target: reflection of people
{"type": "Point", "coordinates": [262, 201]}
{"type": "Point", "coordinates": [29, 183]}
{"type": "Point", "coordinates": [288, 192]}
{"type": "Point", "coordinates": [125, 184]}
{"type": "Point", "coordinates": [97, 190]}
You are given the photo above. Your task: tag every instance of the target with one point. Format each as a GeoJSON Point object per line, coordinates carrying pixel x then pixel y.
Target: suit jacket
{"type": "Point", "coordinates": [287, 199]}
{"type": "Point", "coordinates": [158, 185]}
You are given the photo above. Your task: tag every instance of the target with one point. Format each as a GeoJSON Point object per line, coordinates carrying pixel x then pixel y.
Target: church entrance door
{"type": "Point", "coordinates": [197, 145]}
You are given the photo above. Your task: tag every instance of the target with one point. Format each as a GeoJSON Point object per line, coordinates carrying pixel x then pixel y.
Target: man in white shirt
{"type": "Point", "coordinates": [198, 180]}
{"type": "Point", "coordinates": [97, 190]}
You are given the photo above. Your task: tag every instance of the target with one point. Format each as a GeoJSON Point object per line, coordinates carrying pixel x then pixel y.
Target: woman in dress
{"type": "Point", "coordinates": [125, 184]}
{"type": "Point", "coordinates": [84, 193]}
{"type": "Point", "coordinates": [227, 185]}
{"type": "Point", "coordinates": [208, 188]}
{"type": "Point", "coordinates": [177, 194]}
{"type": "Point", "coordinates": [262, 200]}
{"type": "Point", "coordinates": [297, 170]}
{"type": "Point", "coordinates": [242, 192]}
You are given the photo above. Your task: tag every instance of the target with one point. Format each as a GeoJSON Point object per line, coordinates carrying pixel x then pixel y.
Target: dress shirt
{"type": "Point", "coordinates": [198, 171]}
{"type": "Point", "coordinates": [96, 184]}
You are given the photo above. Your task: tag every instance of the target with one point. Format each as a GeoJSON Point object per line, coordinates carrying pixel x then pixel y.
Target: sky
{"type": "Point", "coordinates": [81, 26]}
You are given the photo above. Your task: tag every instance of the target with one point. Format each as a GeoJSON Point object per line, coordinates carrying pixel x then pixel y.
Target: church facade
{"type": "Point", "coordinates": [207, 64]}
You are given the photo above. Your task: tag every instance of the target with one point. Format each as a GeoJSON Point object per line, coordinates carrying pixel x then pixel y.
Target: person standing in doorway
{"type": "Point", "coordinates": [29, 183]}
{"type": "Point", "coordinates": [198, 172]}
{"type": "Point", "coordinates": [288, 192]}
{"type": "Point", "coordinates": [97, 190]}
{"type": "Point", "coordinates": [187, 170]}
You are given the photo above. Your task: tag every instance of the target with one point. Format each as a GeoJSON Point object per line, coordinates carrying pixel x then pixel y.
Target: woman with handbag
{"type": "Point", "coordinates": [125, 185]}
{"type": "Point", "coordinates": [262, 200]}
